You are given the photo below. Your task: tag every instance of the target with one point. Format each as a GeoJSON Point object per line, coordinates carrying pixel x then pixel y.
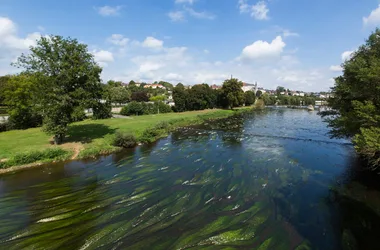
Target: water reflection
{"type": "Point", "coordinates": [267, 180]}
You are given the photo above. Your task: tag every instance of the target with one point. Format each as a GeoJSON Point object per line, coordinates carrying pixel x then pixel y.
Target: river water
{"type": "Point", "coordinates": [270, 179]}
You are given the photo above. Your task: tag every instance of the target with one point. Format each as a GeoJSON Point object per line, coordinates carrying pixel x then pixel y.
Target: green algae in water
{"type": "Point", "coordinates": [229, 188]}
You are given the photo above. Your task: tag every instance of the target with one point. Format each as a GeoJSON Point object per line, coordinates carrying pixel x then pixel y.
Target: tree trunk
{"type": "Point", "coordinates": [58, 139]}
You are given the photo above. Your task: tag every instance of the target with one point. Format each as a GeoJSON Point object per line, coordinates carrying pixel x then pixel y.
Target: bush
{"type": "Point", "coordinates": [133, 108]}
{"type": "Point", "coordinates": [4, 127]}
{"type": "Point", "coordinates": [78, 114]}
{"type": "Point", "coordinates": [141, 108]}
{"type": "Point", "coordinates": [35, 156]}
{"type": "Point", "coordinates": [102, 111]}
{"type": "Point", "coordinates": [124, 140]}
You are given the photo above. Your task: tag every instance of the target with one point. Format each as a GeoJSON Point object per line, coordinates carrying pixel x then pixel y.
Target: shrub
{"type": "Point", "coordinates": [4, 127]}
{"type": "Point", "coordinates": [35, 156]}
{"type": "Point", "coordinates": [162, 107]}
{"type": "Point", "coordinates": [124, 140]}
{"type": "Point", "coordinates": [133, 108]}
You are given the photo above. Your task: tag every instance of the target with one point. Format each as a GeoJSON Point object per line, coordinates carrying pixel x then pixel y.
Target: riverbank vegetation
{"type": "Point", "coordinates": [356, 104]}
{"type": "Point", "coordinates": [91, 138]}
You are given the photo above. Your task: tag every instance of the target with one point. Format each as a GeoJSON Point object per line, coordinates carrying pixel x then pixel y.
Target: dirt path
{"type": "Point", "coordinates": [76, 147]}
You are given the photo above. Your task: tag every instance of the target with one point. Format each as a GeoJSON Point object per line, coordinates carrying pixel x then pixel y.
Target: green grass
{"type": "Point", "coordinates": [97, 136]}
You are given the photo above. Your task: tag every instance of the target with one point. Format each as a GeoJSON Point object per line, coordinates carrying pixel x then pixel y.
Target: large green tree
{"type": "Point", "coordinates": [356, 103]}
{"type": "Point", "coordinates": [180, 97]}
{"type": "Point", "coordinates": [20, 96]}
{"type": "Point", "coordinates": [250, 98]}
{"type": "Point", "coordinates": [3, 83]}
{"type": "Point", "coordinates": [67, 77]}
{"type": "Point", "coordinates": [232, 94]}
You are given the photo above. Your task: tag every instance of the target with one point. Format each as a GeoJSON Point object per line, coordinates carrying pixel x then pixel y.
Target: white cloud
{"type": "Point", "coordinates": [153, 43]}
{"type": "Point", "coordinates": [103, 57]}
{"type": "Point", "coordinates": [118, 39]}
{"type": "Point", "coordinates": [346, 55]}
{"type": "Point", "coordinates": [150, 66]}
{"type": "Point", "coordinates": [288, 33]}
{"type": "Point", "coordinates": [373, 18]}
{"type": "Point", "coordinates": [109, 10]}
{"type": "Point", "coordinates": [176, 16]}
{"type": "Point", "coordinates": [262, 49]}
{"type": "Point", "coordinates": [184, 1]}
{"type": "Point", "coordinates": [335, 68]}
{"type": "Point", "coordinates": [9, 39]}
{"type": "Point", "coordinates": [173, 77]}
{"type": "Point", "coordinates": [259, 10]}
{"type": "Point", "coordinates": [200, 15]}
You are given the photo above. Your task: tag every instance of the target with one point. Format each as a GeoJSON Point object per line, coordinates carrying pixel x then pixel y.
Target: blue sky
{"type": "Point", "coordinates": [297, 44]}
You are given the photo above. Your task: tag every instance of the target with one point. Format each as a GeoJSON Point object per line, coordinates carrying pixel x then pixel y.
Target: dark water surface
{"type": "Point", "coordinates": [269, 180]}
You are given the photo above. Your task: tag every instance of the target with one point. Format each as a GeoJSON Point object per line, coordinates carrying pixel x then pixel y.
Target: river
{"type": "Point", "coordinates": [270, 179]}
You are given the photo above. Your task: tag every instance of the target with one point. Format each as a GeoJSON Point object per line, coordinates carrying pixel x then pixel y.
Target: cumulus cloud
{"type": "Point", "coordinates": [373, 18]}
{"type": "Point", "coordinates": [262, 49]}
{"type": "Point", "coordinates": [259, 11]}
{"type": "Point", "coordinates": [176, 16]}
{"type": "Point", "coordinates": [346, 55]}
{"type": "Point", "coordinates": [335, 68]}
{"type": "Point", "coordinates": [109, 10]}
{"type": "Point", "coordinates": [103, 57]}
{"type": "Point", "coordinates": [153, 43]}
{"type": "Point", "coordinates": [118, 39]}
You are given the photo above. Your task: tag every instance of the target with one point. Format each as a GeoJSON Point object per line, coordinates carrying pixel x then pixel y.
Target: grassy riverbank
{"type": "Point", "coordinates": [91, 138]}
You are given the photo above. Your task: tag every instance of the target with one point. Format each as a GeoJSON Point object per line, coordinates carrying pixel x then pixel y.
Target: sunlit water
{"type": "Point", "coordinates": [272, 179]}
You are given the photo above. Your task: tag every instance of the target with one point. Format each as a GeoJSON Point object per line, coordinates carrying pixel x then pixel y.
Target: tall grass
{"type": "Point", "coordinates": [23, 158]}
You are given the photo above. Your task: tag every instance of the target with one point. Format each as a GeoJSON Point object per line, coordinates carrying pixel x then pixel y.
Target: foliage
{"type": "Point", "coordinates": [157, 98]}
{"type": "Point", "coordinates": [201, 97]}
{"type": "Point", "coordinates": [67, 77]}
{"type": "Point", "coordinates": [141, 108]}
{"type": "Point", "coordinates": [279, 90]}
{"type": "Point", "coordinates": [78, 114]}
{"type": "Point", "coordinates": [102, 110]}
{"type": "Point", "coordinates": [249, 97]}
{"type": "Point", "coordinates": [140, 96]}
{"type": "Point", "coordinates": [356, 103]}
{"type": "Point", "coordinates": [231, 94]}
{"type": "Point", "coordinates": [167, 85]}
{"type": "Point", "coordinates": [19, 96]}
{"type": "Point", "coordinates": [259, 93]}
{"type": "Point", "coordinates": [124, 140]}
{"type": "Point", "coordinates": [133, 108]}
{"type": "Point", "coordinates": [180, 96]}
{"type": "Point", "coordinates": [35, 156]}
{"type": "Point", "coordinates": [3, 82]}
{"type": "Point", "coordinates": [114, 84]}
{"type": "Point", "coordinates": [117, 94]}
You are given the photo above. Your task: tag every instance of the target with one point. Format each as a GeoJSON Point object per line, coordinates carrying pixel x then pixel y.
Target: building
{"type": "Point", "coordinates": [215, 86]}
{"type": "Point", "coordinates": [154, 86]}
{"type": "Point", "coordinates": [249, 87]}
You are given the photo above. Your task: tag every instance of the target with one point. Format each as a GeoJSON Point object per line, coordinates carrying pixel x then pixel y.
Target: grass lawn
{"type": "Point", "coordinates": [95, 136]}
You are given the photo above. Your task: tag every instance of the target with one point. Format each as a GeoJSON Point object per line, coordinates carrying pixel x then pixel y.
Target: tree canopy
{"type": "Point", "coordinates": [232, 94]}
{"type": "Point", "coordinates": [67, 76]}
{"type": "Point", "coordinates": [356, 102]}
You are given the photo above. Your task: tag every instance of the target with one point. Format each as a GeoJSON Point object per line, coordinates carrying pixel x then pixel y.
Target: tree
{"type": "Point", "coordinates": [279, 90]}
{"type": "Point", "coordinates": [67, 77]}
{"type": "Point", "coordinates": [180, 97]}
{"type": "Point", "coordinates": [140, 96]}
{"type": "Point", "coordinates": [158, 98]}
{"type": "Point", "coordinates": [113, 83]}
{"type": "Point", "coordinates": [232, 94]}
{"type": "Point", "coordinates": [201, 97]}
{"type": "Point", "coordinates": [249, 97]}
{"type": "Point", "coordinates": [20, 97]}
{"type": "Point", "coordinates": [259, 93]}
{"type": "Point", "coordinates": [356, 103]}
{"type": "Point", "coordinates": [3, 83]}
{"type": "Point", "coordinates": [167, 85]}
{"type": "Point", "coordinates": [118, 95]}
